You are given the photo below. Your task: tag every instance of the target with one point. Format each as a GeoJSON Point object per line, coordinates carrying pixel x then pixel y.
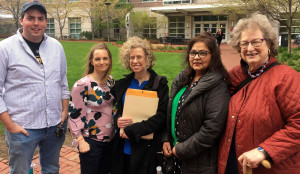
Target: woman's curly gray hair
{"type": "Point", "coordinates": [256, 21]}
{"type": "Point", "coordinates": [136, 42]}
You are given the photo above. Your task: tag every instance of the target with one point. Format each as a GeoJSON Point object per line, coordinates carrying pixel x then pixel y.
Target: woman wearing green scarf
{"type": "Point", "coordinates": [197, 109]}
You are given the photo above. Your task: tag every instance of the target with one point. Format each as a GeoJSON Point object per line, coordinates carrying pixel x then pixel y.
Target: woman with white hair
{"type": "Point", "coordinates": [264, 111]}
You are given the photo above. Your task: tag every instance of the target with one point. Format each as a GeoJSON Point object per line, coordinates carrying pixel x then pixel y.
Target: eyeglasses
{"type": "Point", "coordinates": [255, 43]}
{"type": "Point", "coordinates": [201, 53]}
{"type": "Point", "coordinates": [138, 58]}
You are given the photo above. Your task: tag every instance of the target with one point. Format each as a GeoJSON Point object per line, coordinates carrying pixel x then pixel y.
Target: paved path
{"type": "Point", "coordinates": [69, 159]}
{"type": "Point", "coordinates": [69, 162]}
{"type": "Point", "coordinates": [230, 57]}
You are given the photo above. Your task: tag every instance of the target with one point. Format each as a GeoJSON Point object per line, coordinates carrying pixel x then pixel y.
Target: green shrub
{"type": "Point", "coordinates": [295, 56]}
{"type": "Point", "coordinates": [171, 48]}
{"type": "Point", "coordinates": [284, 57]}
{"type": "Point", "coordinates": [160, 47]}
{"type": "Point", "coordinates": [119, 42]}
{"type": "Point", "coordinates": [290, 62]}
{"type": "Point", "coordinates": [297, 67]}
{"type": "Point", "coordinates": [86, 34]}
{"type": "Point", "coordinates": [297, 49]}
{"type": "Point", "coordinates": [282, 49]}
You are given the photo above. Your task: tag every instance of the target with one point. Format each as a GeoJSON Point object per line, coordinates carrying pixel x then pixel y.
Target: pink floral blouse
{"type": "Point", "coordinates": [91, 109]}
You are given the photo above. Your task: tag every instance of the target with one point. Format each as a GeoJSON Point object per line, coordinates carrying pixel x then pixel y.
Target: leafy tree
{"type": "Point", "coordinates": [96, 12]}
{"type": "Point", "coordinates": [13, 7]}
{"type": "Point", "coordinates": [142, 20]}
{"type": "Point", "coordinates": [60, 11]}
{"type": "Point", "coordinates": [282, 11]}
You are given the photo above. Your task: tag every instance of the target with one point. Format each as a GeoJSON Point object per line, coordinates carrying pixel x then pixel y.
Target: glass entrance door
{"type": "Point", "coordinates": [197, 29]}
{"type": "Point", "coordinates": [211, 26]}
{"type": "Point", "coordinates": [214, 28]}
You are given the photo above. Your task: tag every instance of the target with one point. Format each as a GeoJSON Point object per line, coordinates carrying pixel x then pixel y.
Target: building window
{"type": "Point", "coordinates": [50, 30]}
{"type": "Point", "coordinates": [75, 27]}
{"type": "Point", "coordinates": [295, 28]}
{"type": "Point", "coordinates": [214, 23]}
{"type": "Point", "coordinates": [170, 2]}
{"type": "Point", "coordinates": [116, 29]}
{"type": "Point", "coordinates": [176, 26]}
{"type": "Point", "coordinates": [150, 31]}
{"type": "Point", "coordinates": [210, 18]}
{"type": "Point", "coordinates": [148, 0]}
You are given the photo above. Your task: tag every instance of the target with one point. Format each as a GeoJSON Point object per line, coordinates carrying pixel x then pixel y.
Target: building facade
{"type": "Point", "coordinates": [175, 18]}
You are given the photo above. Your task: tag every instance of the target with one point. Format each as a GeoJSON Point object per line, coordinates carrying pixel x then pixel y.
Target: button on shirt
{"type": "Point", "coordinates": [33, 92]}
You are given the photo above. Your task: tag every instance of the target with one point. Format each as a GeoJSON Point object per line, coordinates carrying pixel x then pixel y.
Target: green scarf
{"type": "Point", "coordinates": [173, 113]}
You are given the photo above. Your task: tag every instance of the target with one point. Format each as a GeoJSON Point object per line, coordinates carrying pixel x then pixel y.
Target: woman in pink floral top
{"type": "Point", "coordinates": [91, 110]}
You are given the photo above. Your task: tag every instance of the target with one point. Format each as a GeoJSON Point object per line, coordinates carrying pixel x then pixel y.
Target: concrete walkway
{"type": "Point", "coordinates": [69, 158]}
{"type": "Point", "coordinates": [230, 57]}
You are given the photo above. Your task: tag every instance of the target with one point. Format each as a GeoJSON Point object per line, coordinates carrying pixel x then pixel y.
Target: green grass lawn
{"type": "Point", "coordinates": [166, 64]}
{"type": "Point", "coordinates": [292, 60]}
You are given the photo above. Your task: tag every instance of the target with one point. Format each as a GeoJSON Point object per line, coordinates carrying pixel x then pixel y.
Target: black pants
{"type": "Point", "coordinates": [219, 42]}
{"type": "Point", "coordinates": [126, 163]}
{"type": "Point", "coordinates": [97, 159]}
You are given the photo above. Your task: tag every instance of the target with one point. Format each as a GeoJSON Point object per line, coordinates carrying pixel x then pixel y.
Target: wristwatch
{"type": "Point", "coordinates": [263, 151]}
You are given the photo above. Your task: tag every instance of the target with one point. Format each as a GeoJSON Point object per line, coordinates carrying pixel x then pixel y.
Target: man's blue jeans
{"type": "Point", "coordinates": [21, 149]}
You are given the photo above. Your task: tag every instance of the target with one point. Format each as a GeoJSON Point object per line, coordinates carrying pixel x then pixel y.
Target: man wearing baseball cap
{"type": "Point", "coordinates": [33, 92]}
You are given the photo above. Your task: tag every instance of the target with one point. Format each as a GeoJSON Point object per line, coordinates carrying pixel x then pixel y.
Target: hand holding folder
{"type": "Point", "coordinates": [140, 105]}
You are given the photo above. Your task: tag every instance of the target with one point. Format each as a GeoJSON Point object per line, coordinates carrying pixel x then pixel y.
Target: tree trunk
{"type": "Point", "coordinates": [290, 27]}
{"type": "Point", "coordinates": [93, 31]}
{"type": "Point", "coordinates": [60, 30]}
{"type": "Point", "coordinates": [289, 41]}
{"type": "Point", "coordinates": [17, 24]}
{"type": "Point", "coordinates": [16, 18]}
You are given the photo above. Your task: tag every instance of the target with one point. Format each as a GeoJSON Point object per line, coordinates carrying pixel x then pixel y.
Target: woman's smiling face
{"type": "Point", "coordinates": [254, 56]}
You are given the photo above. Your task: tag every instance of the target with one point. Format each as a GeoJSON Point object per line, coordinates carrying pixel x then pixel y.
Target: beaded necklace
{"type": "Point", "coordinates": [259, 72]}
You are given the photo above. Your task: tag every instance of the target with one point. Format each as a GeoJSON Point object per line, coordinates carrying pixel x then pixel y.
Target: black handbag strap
{"type": "Point", "coordinates": [249, 79]}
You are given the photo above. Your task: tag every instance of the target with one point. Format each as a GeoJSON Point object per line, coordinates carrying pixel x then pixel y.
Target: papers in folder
{"type": "Point", "coordinates": [140, 105]}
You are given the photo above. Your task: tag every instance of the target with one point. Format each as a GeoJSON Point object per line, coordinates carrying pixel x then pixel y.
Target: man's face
{"type": "Point", "coordinates": [34, 24]}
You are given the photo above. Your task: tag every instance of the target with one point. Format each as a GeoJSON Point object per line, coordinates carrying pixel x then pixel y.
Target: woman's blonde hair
{"type": "Point", "coordinates": [89, 67]}
{"type": "Point", "coordinates": [256, 21]}
{"type": "Point", "coordinates": [136, 42]}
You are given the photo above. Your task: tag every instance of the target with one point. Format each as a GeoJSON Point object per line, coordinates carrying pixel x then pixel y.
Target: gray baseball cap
{"type": "Point", "coordinates": [32, 3]}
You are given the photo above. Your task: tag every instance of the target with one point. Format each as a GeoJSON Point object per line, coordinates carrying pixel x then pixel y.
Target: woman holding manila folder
{"type": "Point", "coordinates": [132, 154]}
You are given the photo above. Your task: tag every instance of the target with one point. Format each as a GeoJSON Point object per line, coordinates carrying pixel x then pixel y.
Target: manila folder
{"type": "Point", "coordinates": [140, 105]}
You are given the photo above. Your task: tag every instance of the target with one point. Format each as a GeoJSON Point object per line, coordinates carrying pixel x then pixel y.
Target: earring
{"type": "Point", "coordinates": [269, 52]}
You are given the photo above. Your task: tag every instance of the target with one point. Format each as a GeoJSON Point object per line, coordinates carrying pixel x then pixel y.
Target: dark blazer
{"type": "Point", "coordinates": [219, 36]}
{"type": "Point", "coordinates": [143, 152]}
{"type": "Point", "coordinates": [202, 121]}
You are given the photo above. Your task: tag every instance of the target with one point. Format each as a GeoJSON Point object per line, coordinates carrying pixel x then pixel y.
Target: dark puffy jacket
{"type": "Point", "coordinates": [204, 114]}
